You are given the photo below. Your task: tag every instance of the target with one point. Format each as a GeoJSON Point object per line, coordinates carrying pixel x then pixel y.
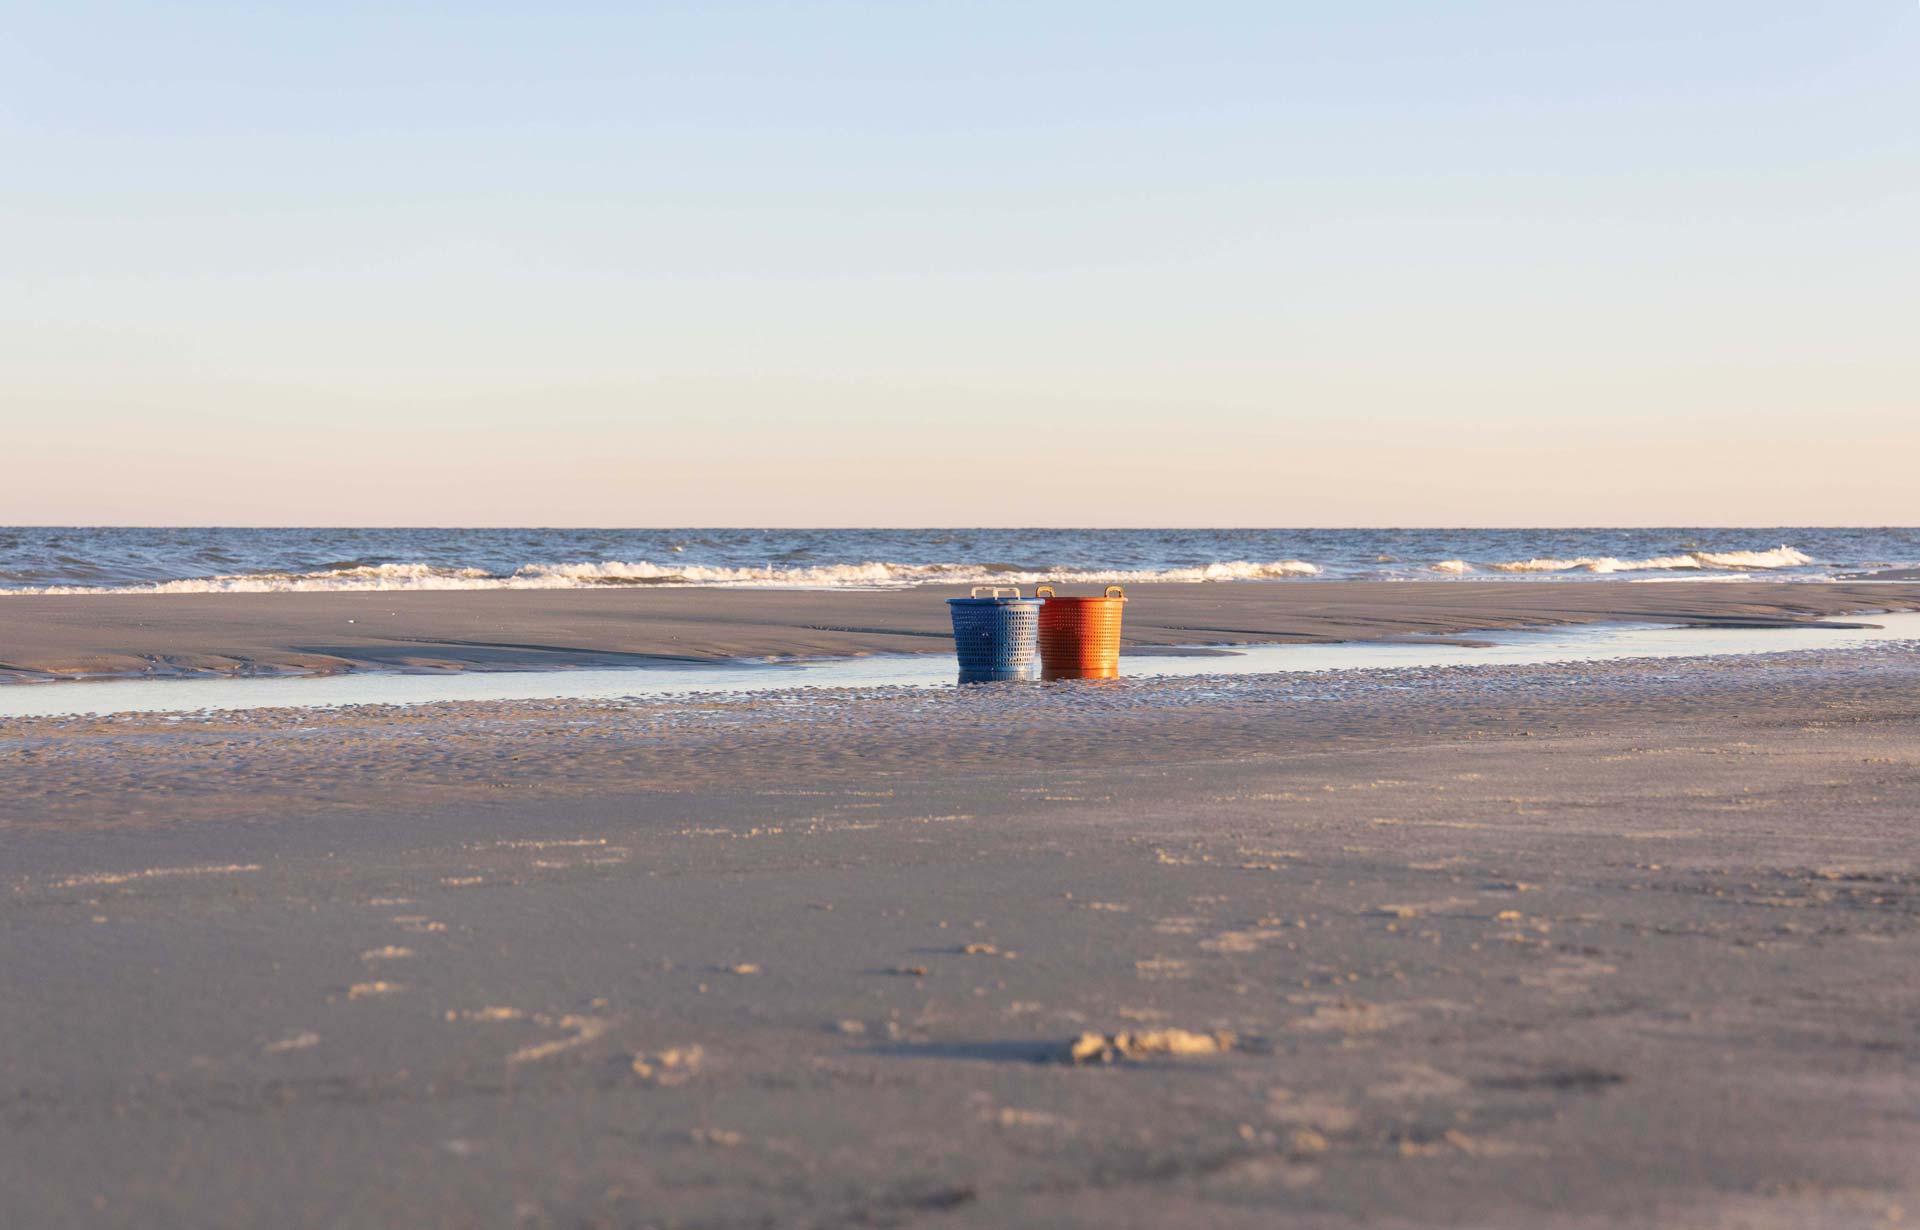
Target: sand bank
{"type": "Point", "coordinates": [326, 632]}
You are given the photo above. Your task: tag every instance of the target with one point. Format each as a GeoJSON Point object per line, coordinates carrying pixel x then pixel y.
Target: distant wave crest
{"type": "Point", "coordinates": [1699, 561]}
{"type": "Point", "coordinates": [871, 575]}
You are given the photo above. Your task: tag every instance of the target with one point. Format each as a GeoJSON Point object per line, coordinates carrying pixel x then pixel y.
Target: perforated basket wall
{"type": "Point", "coordinates": [996, 638]}
{"type": "Point", "coordinates": [1081, 634]}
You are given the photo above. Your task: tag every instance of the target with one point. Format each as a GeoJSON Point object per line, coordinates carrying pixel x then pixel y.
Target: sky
{"type": "Point", "coordinates": [1056, 263]}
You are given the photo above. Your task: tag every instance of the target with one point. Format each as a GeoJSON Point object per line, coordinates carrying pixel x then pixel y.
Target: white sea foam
{"type": "Point", "coordinates": [1698, 561]}
{"type": "Point", "coordinates": [1779, 557]}
{"type": "Point", "coordinates": [1455, 566]}
{"type": "Point", "coordinates": [870, 575]}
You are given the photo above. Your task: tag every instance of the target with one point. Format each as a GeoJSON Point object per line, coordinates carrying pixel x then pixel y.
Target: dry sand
{"type": "Point", "coordinates": [170, 634]}
{"type": "Point", "coordinates": [1558, 946]}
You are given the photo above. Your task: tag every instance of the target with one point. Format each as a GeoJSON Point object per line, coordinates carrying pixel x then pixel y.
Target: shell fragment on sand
{"type": "Point", "coordinates": [1147, 1044]}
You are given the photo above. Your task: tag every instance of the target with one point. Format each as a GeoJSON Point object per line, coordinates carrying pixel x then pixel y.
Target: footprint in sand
{"type": "Point", "coordinates": [489, 1013]}
{"type": "Point", "coordinates": [1416, 1081]}
{"type": "Point", "coordinates": [1314, 1111]}
{"type": "Point", "coordinates": [1161, 969]}
{"type": "Point", "coordinates": [1332, 1014]}
{"type": "Point", "coordinates": [585, 1029]}
{"type": "Point", "coordinates": [292, 1042]}
{"type": "Point", "coordinates": [1571, 975]}
{"type": "Point", "coordinates": [582, 1028]}
{"type": "Point", "coordinates": [1241, 941]}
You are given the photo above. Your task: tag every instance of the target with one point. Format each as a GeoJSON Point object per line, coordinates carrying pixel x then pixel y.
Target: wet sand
{"type": "Point", "coordinates": [189, 634]}
{"type": "Point", "coordinates": [1561, 946]}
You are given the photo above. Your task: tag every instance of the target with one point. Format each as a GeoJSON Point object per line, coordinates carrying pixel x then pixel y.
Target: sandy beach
{"type": "Point", "coordinates": [1626, 943]}
{"type": "Point", "coordinates": [498, 730]}
{"type": "Point", "coordinates": [70, 636]}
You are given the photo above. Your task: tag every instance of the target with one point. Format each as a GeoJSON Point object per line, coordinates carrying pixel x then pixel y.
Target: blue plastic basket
{"type": "Point", "coordinates": [996, 637]}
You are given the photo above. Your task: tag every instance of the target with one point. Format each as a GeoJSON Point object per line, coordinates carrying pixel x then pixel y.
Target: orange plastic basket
{"type": "Point", "coordinates": [1080, 637]}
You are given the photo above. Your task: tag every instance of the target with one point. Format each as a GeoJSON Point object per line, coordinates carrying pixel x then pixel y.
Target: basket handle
{"type": "Point", "coordinates": [1114, 591]}
{"type": "Point", "coordinates": [994, 590]}
{"type": "Point", "coordinates": [1043, 591]}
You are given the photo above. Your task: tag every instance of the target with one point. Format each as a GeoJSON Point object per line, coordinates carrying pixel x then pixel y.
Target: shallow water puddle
{"type": "Point", "coordinates": [1585, 643]}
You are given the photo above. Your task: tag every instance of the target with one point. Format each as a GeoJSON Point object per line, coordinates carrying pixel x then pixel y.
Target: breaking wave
{"type": "Point", "coordinates": [310, 561]}
{"type": "Point", "coordinates": [612, 573]}
{"type": "Point", "coordinates": [1698, 561]}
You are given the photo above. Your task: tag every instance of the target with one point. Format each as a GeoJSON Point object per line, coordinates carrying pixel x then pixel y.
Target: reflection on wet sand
{"type": "Point", "coordinates": [1053, 674]}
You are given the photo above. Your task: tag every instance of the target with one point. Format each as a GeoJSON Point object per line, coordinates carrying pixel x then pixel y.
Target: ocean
{"type": "Point", "coordinates": [43, 560]}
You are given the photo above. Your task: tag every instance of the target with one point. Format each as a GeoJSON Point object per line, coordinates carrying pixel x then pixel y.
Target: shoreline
{"type": "Point", "coordinates": [124, 636]}
{"type": "Point", "coordinates": [927, 674]}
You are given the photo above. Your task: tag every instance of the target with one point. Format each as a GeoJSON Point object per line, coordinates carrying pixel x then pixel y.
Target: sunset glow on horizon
{"type": "Point", "coordinates": [881, 264]}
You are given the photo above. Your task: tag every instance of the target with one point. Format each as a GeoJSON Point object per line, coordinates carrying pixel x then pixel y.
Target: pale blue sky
{"type": "Point", "coordinates": [1065, 263]}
